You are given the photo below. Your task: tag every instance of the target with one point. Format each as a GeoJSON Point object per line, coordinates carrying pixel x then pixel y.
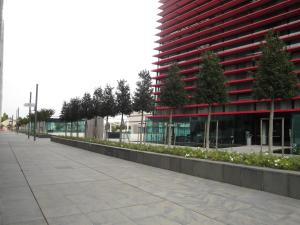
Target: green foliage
{"type": "Point", "coordinates": [108, 104]}
{"type": "Point", "coordinates": [172, 92]}
{"type": "Point", "coordinates": [65, 112]}
{"type": "Point", "coordinates": [45, 114]}
{"type": "Point", "coordinates": [142, 99]}
{"type": "Point", "coordinates": [274, 77]}
{"type": "Point", "coordinates": [210, 87]}
{"type": "Point", "coordinates": [252, 159]}
{"type": "Point", "coordinates": [86, 107]}
{"type": "Point", "coordinates": [124, 104]}
{"type": "Point", "coordinates": [74, 109]}
{"type": "Point", "coordinates": [4, 117]}
{"type": "Point", "coordinates": [97, 102]}
{"type": "Point", "coordinates": [22, 121]}
{"type": "Point", "coordinates": [115, 128]}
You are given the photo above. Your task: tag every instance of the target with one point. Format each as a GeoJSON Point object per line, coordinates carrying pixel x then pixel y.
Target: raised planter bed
{"type": "Point", "coordinates": [281, 182]}
{"type": "Point", "coordinates": [43, 135]}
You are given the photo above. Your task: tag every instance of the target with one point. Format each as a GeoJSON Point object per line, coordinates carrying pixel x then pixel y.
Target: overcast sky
{"type": "Point", "coordinates": [70, 47]}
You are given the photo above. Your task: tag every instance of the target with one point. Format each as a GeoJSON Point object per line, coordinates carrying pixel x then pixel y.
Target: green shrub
{"type": "Point", "coordinates": [253, 159]}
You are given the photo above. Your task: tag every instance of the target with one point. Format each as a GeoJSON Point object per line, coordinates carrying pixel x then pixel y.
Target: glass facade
{"type": "Point", "coordinates": [59, 127]}
{"type": "Point", "coordinates": [232, 130]}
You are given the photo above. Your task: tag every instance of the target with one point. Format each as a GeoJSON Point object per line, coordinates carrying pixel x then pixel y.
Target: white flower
{"type": "Point", "coordinates": [187, 155]}
{"type": "Point", "coordinates": [231, 159]}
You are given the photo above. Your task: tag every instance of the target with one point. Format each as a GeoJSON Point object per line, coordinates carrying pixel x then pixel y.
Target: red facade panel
{"type": "Point", "coordinates": [226, 33]}
{"type": "Point", "coordinates": [234, 30]}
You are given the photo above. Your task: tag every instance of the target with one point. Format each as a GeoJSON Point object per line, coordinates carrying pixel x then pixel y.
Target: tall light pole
{"type": "Point", "coordinates": [29, 124]}
{"type": "Point", "coordinates": [35, 111]}
{"type": "Point", "coordinates": [17, 120]}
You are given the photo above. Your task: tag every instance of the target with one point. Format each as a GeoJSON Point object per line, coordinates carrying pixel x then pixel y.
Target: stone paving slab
{"type": "Point", "coordinates": [45, 183]}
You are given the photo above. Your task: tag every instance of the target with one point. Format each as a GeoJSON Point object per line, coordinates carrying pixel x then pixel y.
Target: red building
{"type": "Point", "coordinates": [234, 30]}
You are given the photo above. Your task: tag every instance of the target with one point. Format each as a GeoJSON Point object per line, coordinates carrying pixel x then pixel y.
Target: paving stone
{"type": "Point", "coordinates": [77, 219]}
{"type": "Point", "coordinates": [75, 186]}
{"type": "Point", "coordinates": [32, 222]}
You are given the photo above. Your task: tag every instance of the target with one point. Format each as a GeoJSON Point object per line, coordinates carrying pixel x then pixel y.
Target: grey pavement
{"type": "Point", "coordinates": [47, 183]}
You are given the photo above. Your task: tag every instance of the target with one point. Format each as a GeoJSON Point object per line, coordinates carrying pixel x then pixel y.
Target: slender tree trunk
{"type": "Point", "coordinates": [106, 128]}
{"type": "Point", "coordinates": [95, 127]}
{"type": "Point", "coordinates": [142, 130]}
{"type": "Point", "coordinates": [207, 128]}
{"type": "Point", "coordinates": [65, 129]}
{"type": "Point", "coordinates": [170, 128]}
{"type": "Point", "coordinates": [71, 134]}
{"type": "Point", "coordinates": [85, 128]}
{"type": "Point", "coordinates": [121, 127]}
{"type": "Point", "coordinates": [271, 119]}
{"type": "Point", "coordinates": [77, 131]}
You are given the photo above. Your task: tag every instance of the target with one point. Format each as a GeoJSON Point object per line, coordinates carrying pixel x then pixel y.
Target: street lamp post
{"type": "Point", "coordinates": [17, 120]}
{"type": "Point", "coordinates": [29, 105]}
{"type": "Point", "coordinates": [29, 124]}
{"type": "Point", "coordinates": [35, 111]}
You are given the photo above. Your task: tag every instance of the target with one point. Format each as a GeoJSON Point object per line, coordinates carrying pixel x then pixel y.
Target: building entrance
{"type": "Point", "coordinates": [278, 131]}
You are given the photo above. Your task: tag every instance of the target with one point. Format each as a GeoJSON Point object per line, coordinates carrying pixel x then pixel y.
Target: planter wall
{"type": "Point", "coordinates": [281, 182]}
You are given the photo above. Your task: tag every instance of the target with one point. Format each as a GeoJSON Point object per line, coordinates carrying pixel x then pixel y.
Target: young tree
{"type": "Point", "coordinates": [86, 110]}
{"type": "Point", "coordinates": [64, 115]}
{"type": "Point", "coordinates": [142, 99]}
{"type": "Point", "coordinates": [172, 94]}
{"type": "Point", "coordinates": [22, 121]}
{"type": "Point", "coordinates": [97, 107]}
{"type": "Point", "coordinates": [274, 77]}
{"type": "Point", "coordinates": [4, 117]}
{"type": "Point", "coordinates": [210, 86]}
{"type": "Point", "coordinates": [124, 104]}
{"type": "Point", "coordinates": [75, 113]}
{"type": "Point", "coordinates": [46, 114]}
{"type": "Point", "coordinates": [43, 115]}
{"type": "Point", "coordinates": [108, 106]}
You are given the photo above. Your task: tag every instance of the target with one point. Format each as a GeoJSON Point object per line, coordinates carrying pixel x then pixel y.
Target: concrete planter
{"type": "Point", "coordinates": [281, 182]}
{"type": "Point", "coordinates": [43, 135]}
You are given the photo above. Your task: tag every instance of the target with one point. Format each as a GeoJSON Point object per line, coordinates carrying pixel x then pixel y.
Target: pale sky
{"type": "Point", "coordinates": [70, 47]}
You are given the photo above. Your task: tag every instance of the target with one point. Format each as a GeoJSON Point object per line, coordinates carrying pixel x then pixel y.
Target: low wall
{"type": "Point", "coordinates": [281, 182]}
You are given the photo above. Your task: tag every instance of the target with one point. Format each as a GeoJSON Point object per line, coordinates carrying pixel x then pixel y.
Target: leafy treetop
{"type": "Point", "coordinates": [172, 92]}
{"type": "Point", "coordinates": [86, 106]}
{"type": "Point", "coordinates": [124, 104]}
{"type": "Point", "coordinates": [210, 86]}
{"type": "Point", "coordinates": [142, 99]}
{"type": "Point", "coordinates": [45, 114]}
{"type": "Point", "coordinates": [108, 105]}
{"type": "Point", "coordinates": [97, 102]}
{"type": "Point", "coordinates": [4, 117]}
{"type": "Point", "coordinates": [65, 112]}
{"type": "Point", "coordinates": [74, 109]}
{"type": "Point", "coordinates": [274, 77]}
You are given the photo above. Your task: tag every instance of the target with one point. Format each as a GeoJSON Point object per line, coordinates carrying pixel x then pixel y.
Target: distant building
{"type": "Point", "coordinates": [1, 56]}
{"type": "Point", "coordinates": [134, 125]}
{"type": "Point", "coordinates": [234, 30]}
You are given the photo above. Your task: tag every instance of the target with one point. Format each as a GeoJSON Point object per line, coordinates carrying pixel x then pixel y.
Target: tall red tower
{"type": "Point", "coordinates": [234, 30]}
